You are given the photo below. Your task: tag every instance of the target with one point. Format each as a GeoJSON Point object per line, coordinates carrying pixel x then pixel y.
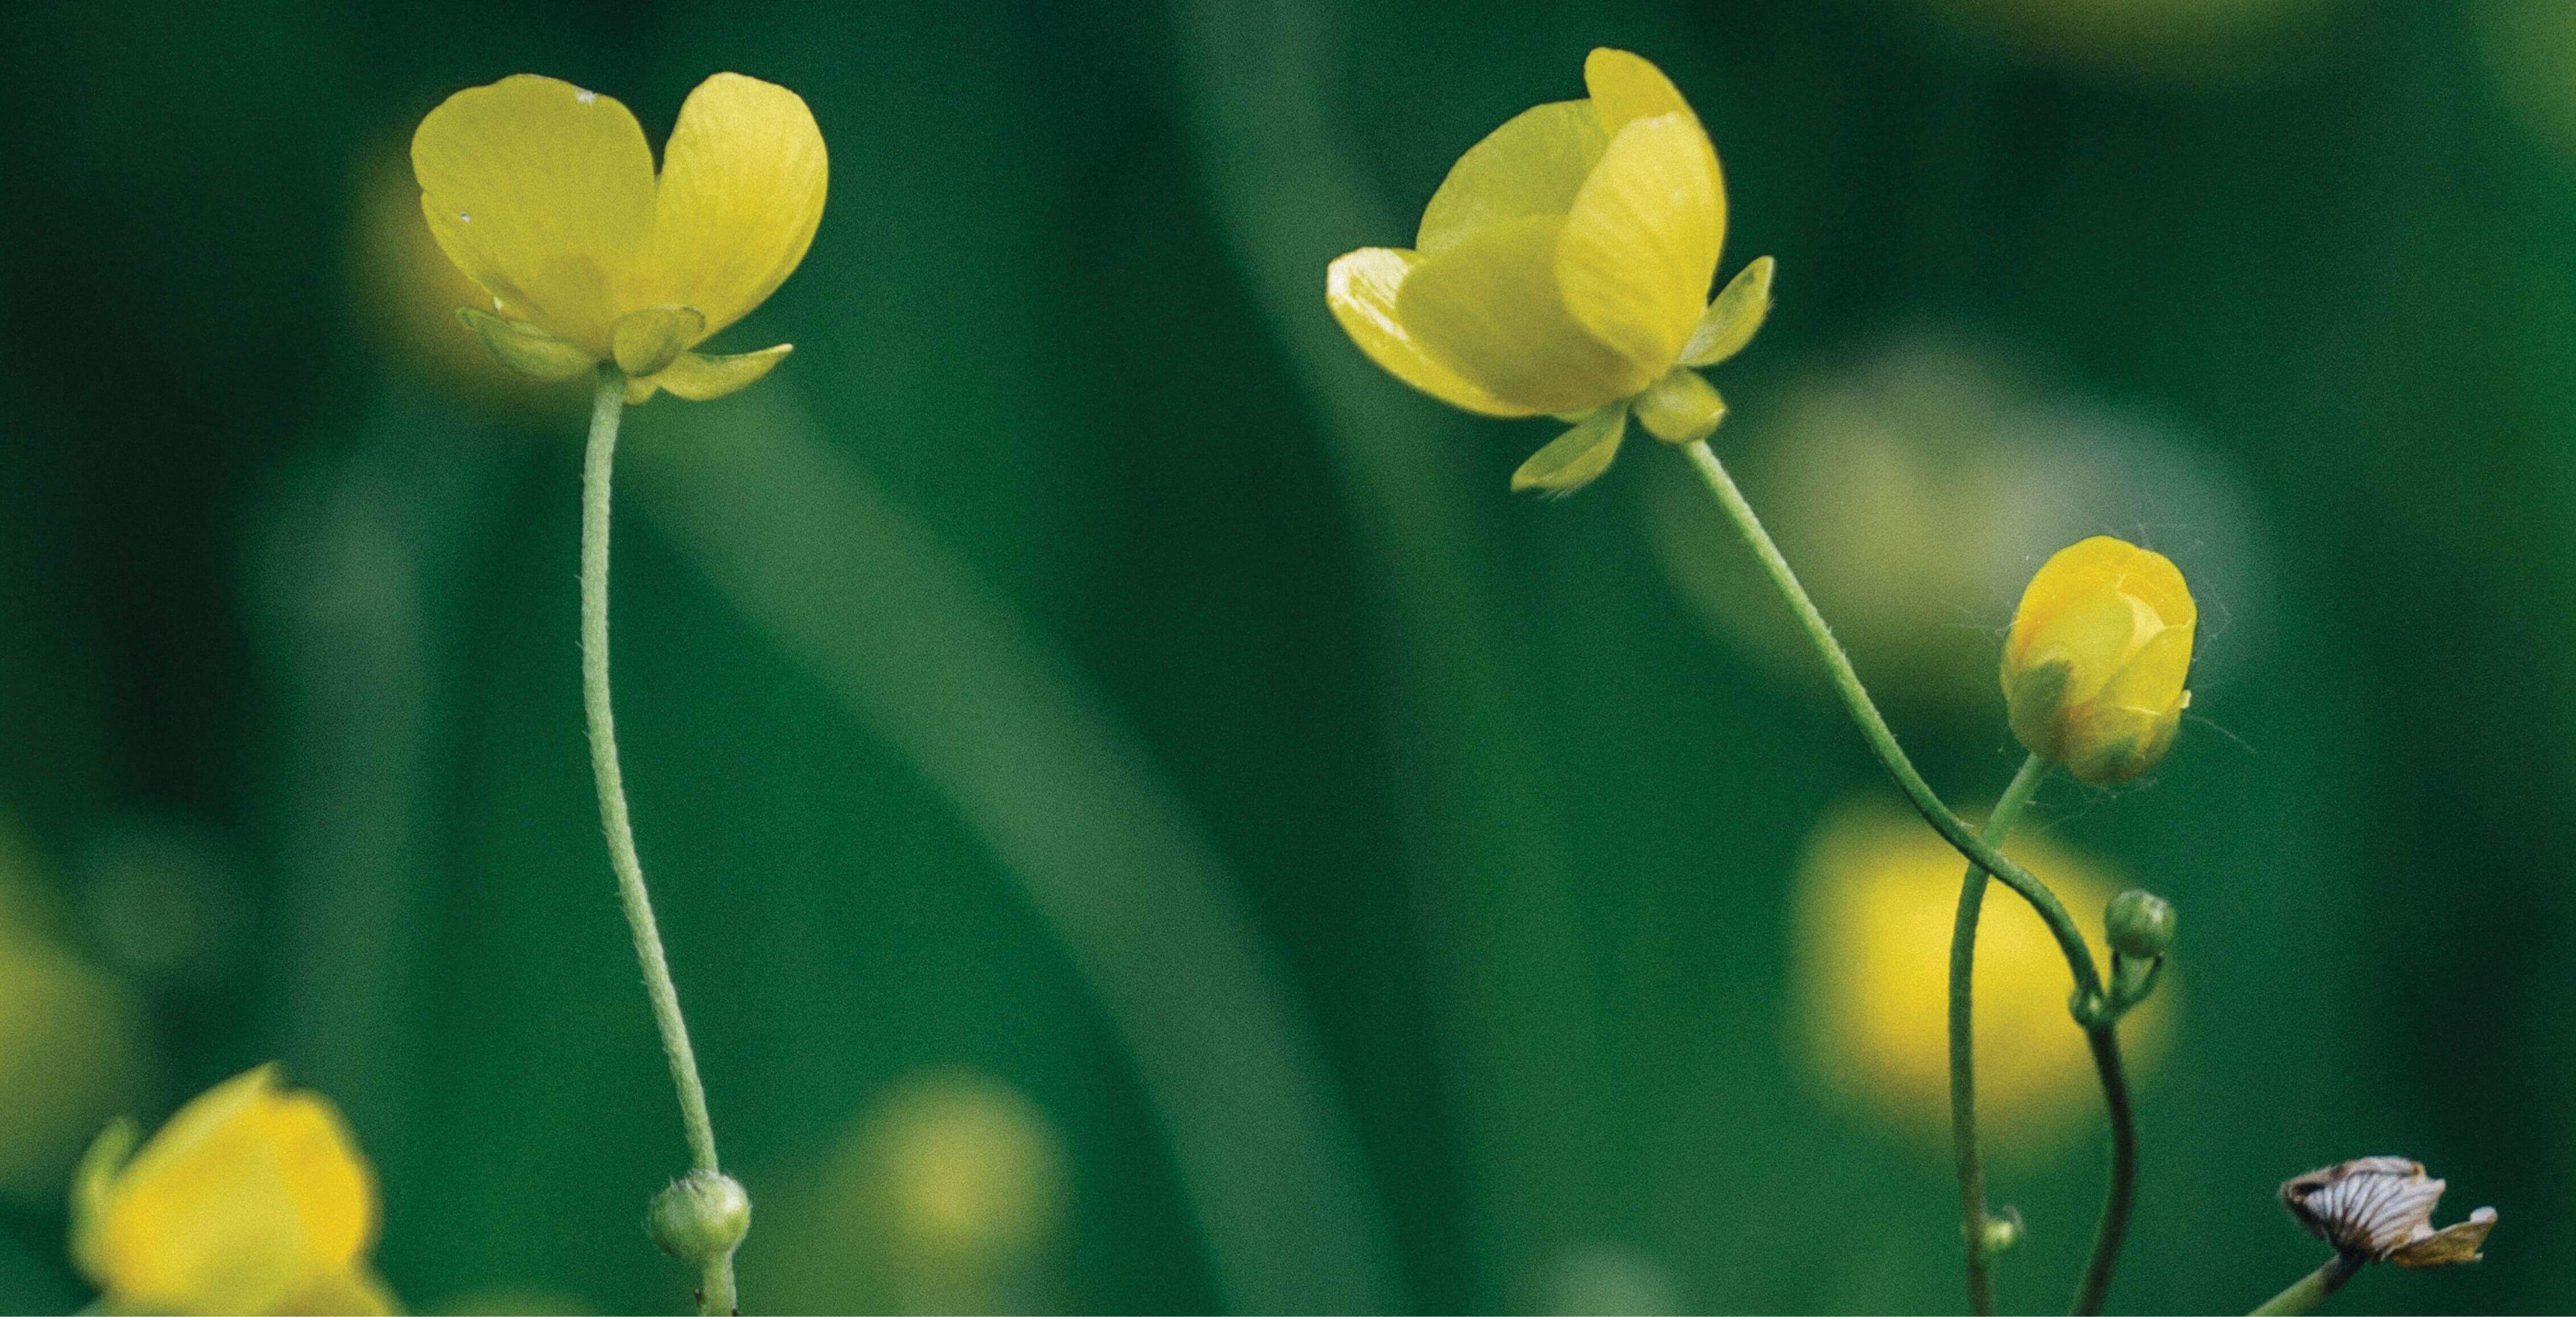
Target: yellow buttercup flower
{"type": "Point", "coordinates": [1563, 269]}
{"type": "Point", "coordinates": [2093, 671]}
{"type": "Point", "coordinates": [544, 194]}
{"type": "Point", "coordinates": [251, 1200]}
{"type": "Point", "coordinates": [1877, 895]}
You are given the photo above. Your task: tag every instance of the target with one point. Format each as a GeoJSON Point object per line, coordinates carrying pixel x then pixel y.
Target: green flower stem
{"type": "Point", "coordinates": [607, 405]}
{"type": "Point", "coordinates": [1963, 1059]}
{"type": "Point", "coordinates": [1873, 728]}
{"type": "Point", "coordinates": [2091, 1007]}
{"type": "Point", "coordinates": [2114, 1226]}
{"type": "Point", "coordinates": [2309, 1290]}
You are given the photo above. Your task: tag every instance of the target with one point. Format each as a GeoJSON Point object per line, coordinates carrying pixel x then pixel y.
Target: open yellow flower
{"type": "Point", "coordinates": [1563, 269]}
{"type": "Point", "coordinates": [544, 194]}
{"type": "Point", "coordinates": [251, 1200]}
{"type": "Point", "coordinates": [2100, 648]}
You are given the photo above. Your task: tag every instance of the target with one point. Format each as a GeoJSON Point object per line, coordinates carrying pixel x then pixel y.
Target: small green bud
{"type": "Point", "coordinates": [700, 1217]}
{"type": "Point", "coordinates": [2139, 923]}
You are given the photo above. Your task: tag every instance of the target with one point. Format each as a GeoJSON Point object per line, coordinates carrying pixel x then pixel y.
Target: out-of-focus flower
{"type": "Point", "coordinates": [250, 1200]}
{"type": "Point", "coordinates": [74, 1047]}
{"type": "Point", "coordinates": [1563, 269]}
{"type": "Point", "coordinates": [1917, 483]}
{"type": "Point", "coordinates": [949, 1194]}
{"type": "Point", "coordinates": [1877, 894]}
{"type": "Point", "coordinates": [2529, 48]}
{"type": "Point", "coordinates": [545, 195]}
{"type": "Point", "coordinates": [2380, 1209]}
{"type": "Point", "coordinates": [2093, 671]}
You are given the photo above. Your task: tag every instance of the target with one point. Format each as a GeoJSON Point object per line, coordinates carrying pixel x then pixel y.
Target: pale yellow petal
{"type": "Point", "coordinates": [1626, 87]}
{"type": "Point", "coordinates": [699, 377]}
{"type": "Point", "coordinates": [1361, 287]}
{"type": "Point", "coordinates": [742, 191]}
{"type": "Point", "coordinates": [332, 1188]}
{"type": "Point", "coordinates": [543, 194]}
{"type": "Point", "coordinates": [645, 341]}
{"type": "Point", "coordinates": [1577, 457]}
{"type": "Point", "coordinates": [1733, 317]}
{"type": "Point", "coordinates": [1532, 165]}
{"type": "Point", "coordinates": [1489, 310]}
{"type": "Point", "coordinates": [1638, 250]}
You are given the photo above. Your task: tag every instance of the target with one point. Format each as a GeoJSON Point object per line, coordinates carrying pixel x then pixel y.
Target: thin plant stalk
{"type": "Point", "coordinates": [1963, 1061]}
{"type": "Point", "coordinates": [2312, 1289]}
{"type": "Point", "coordinates": [2113, 1229]}
{"type": "Point", "coordinates": [2092, 1005]}
{"type": "Point", "coordinates": [1873, 727]}
{"type": "Point", "coordinates": [608, 404]}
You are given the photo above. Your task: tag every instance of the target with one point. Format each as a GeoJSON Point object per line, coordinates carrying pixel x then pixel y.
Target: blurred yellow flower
{"type": "Point", "coordinates": [1877, 893]}
{"type": "Point", "coordinates": [251, 1200]}
{"type": "Point", "coordinates": [545, 195]}
{"type": "Point", "coordinates": [1563, 268]}
{"type": "Point", "coordinates": [2093, 671]}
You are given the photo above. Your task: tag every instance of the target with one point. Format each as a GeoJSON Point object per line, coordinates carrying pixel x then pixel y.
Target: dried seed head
{"type": "Point", "coordinates": [2380, 1209]}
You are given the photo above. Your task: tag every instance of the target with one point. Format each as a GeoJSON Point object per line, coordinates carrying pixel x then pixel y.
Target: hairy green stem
{"type": "Point", "coordinates": [716, 1294]}
{"type": "Point", "coordinates": [2309, 1290]}
{"type": "Point", "coordinates": [1882, 742]}
{"type": "Point", "coordinates": [1963, 1058]}
{"type": "Point", "coordinates": [2092, 1008]}
{"type": "Point", "coordinates": [2114, 1226]}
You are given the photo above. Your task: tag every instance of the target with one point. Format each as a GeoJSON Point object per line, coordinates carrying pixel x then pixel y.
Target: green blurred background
{"type": "Point", "coordinates": [1142, 820]}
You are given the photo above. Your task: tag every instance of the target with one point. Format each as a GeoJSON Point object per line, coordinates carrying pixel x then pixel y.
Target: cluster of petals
{"type": "Point", "coordinates": [1563, 269]}
{"type": "Point", "coordinates": [545, 195]}
{"type": "Point", "coordinates": [252, 1199]}
{"type": "Point", "coordinates": [2094, 670]}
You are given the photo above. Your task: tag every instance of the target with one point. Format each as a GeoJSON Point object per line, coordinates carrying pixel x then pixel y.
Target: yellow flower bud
{"type": "Point", "coordinates": [2093, 671]}
{"type": "Point", "coordinates": [545, 195]}
{"type": "Point", "coordinates": [251, 1200]}
{"type": "Point", "coordinates": [1564, 268]}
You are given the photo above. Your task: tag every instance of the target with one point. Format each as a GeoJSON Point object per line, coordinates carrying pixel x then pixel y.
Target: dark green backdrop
{"type": "Point", "coordinates": [1082, 714]}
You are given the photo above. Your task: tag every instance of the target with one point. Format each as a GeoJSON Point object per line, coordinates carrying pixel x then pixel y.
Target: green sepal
{"type": "Point", "coordinates": [91, 1182]}
{"type": "Point", "coordinates": [525, 348]}
{"type": "Point", "coordinates": [1577, 457]}
{"type": "Point", "coordinates": [1731, 321]}
{"type": "Point", "coordinates": [699, 377]}
{"type": "Point", "coordinates": [1681, 407]}
{"type": "Point", "coordinates": [646, 341]}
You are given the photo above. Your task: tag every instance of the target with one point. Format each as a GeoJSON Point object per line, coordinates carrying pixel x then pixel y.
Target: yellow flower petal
{"type": "Point", "coordinates": [1361, 287]}
{"type": "Point", "coordinates": [1532, 165]}
{"type": "Point", "coordinates": [1577, 457]}
{"type": "Point", "coordinates": [1626, 87]}
{"type": "Point", "coordinates": [1639, 248]}
{"type": "Point", "coordinates": [246, 1200]}
{"type": "Point", "coordinates": [525, 348]}
{"type": "Point", "coordinates": [1733, 318]}
{"type": "Point", "coordinates": [699, 377]}
{"type": "Point", "coordinates": [1489, 310]}
{"type": "Point", "coordinates": [741, 193]}
{"type": "Point", "coordinates": [646, 341]}
{"type": "Point", "coordinates": [543, 194]}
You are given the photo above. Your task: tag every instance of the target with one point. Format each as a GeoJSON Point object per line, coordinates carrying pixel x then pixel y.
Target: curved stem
{"type": "Point", "coordinates": [2114, 1227]}
{"type": "Point", "coordinates": [1882, 742]}
{"type": "Point", "coordinates": [2309, 1290]}
{"type": "Point", "coordinates": [1963, 1059]}
{"type": "Point", "coordinates": [607, 405]}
